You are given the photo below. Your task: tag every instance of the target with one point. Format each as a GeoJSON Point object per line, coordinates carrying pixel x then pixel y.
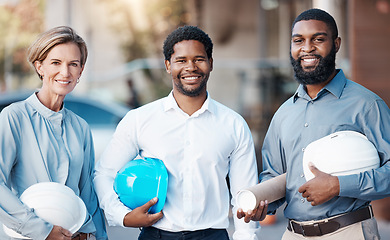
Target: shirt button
{"type": "Point", "coordinates": [302, 200]}
{"type": "Point", "coordinates": [306, 125]}
{"type": "Point", "coordinates": [302, 175]}
{"type": "Point", "coordinates": [303, 149]}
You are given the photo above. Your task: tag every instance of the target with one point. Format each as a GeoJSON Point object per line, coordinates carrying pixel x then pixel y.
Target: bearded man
{"type": "Point", "coordinates": [326, 207]}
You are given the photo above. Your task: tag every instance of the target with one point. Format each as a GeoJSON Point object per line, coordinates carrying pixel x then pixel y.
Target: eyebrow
{"type": "Point", "coordinates": [314, 35]}
{"type": "Point", "coordinates": [184, 57]}
{"type": "Point", "coordinates": [58, 60]}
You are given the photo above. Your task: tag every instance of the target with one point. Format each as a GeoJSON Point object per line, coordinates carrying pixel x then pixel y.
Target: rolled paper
{"type": "Point", "coordinates": [271, 190]}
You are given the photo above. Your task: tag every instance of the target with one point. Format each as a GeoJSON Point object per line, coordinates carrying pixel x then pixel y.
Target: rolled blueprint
{"type": "Point", "coordinates": [271, 190]}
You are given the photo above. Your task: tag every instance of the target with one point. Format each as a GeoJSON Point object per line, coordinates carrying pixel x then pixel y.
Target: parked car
{"type": "Point", "coordinates": [102, 117]}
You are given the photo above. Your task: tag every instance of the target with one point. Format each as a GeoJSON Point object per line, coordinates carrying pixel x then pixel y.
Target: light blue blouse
{"type": "Point", "coordinates": [40, 145]}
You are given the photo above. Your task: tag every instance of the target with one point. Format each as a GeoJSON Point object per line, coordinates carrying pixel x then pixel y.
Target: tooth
{"type": "Point", "coordinates": [309, 60]}
{"type": "Point", "coordinates": [63, 82]}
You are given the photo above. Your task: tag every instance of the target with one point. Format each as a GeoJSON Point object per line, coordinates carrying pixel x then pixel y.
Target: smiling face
{"type": "Point", "coordinates": [60, 70]}
{"type": "Point", "coordinates": [190, 68]}
{"type": "Point", "coordinates": [313, 52]}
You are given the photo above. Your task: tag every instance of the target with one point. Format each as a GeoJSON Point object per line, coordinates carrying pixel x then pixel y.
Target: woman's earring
{"type": "Point", "coordinates": [78, 80]}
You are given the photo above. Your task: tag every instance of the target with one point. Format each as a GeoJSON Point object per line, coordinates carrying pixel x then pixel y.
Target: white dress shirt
{"type": "Point", "coordinates": [199, 152]}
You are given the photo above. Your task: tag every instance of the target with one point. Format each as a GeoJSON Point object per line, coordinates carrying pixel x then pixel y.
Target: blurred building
{"type": "Point", "coordinates": [252, 37]}
{"type": "Point", "coordinates": [252, 73]}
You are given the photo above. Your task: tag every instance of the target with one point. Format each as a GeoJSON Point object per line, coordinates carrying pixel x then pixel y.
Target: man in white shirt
{"type": "Point", "coordinates": [200, 141]}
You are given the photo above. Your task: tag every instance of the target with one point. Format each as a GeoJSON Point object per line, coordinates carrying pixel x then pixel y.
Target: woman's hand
{"type": "Point", "coordinates": [59, 233]}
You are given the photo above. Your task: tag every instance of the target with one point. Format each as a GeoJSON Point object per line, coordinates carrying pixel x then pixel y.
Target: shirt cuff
{"type": "Point", "coordinates": [36, 228]}
{"type": "Point", "coordinates": [114, 210]}
{"type": "Point", "coordinates": [246, 231]}
{"type": "Point", "coordinates": [88, 226]}
{"type": "Point", "coordinates": [348, 185]}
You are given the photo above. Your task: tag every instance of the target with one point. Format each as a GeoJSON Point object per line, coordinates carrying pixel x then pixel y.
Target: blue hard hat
{"type": "Point", "coordinates": [140, 180]}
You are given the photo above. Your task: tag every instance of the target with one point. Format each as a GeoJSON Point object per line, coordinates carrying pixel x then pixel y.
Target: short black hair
{"type": "Point", "coordinates": [320, 15]}
{"type": "Point", "coordinates": [187, 33]}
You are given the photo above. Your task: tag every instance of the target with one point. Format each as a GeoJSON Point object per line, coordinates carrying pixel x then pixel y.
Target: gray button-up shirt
{"type": "Point", "coordinates": [341, 105]}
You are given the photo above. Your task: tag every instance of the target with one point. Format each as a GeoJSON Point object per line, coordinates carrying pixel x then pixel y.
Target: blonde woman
{"type": "Point", "coordinates": [42, 141]}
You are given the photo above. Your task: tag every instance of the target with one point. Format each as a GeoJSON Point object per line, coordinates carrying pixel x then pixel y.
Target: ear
{"type": "Point", "coordinates": [38, 67]}
{"type": "Point", "coordinates": [211, 63]}
{"type": "Point", "coordinates": [82, 69]}
{"type": "Point", "coordinates": [168, 66]}
{"type": "Point", "coordinates": [337, 43]}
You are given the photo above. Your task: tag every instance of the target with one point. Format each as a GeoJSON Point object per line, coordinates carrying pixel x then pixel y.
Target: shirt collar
{"type": "Point", "coordinates": [43, 110]}
{"type": "Point", "coordinates": [171, 104]}
{"type": "Point", "coordinates": [335, 87]}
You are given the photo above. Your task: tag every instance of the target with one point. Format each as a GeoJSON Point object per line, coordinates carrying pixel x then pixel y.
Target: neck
{"type": "Point", "coordinates": [53, 103]}
{"type": "Point", "coordinates": [188, 104]}
{"type": "Point", "coordinates": [313, 89]}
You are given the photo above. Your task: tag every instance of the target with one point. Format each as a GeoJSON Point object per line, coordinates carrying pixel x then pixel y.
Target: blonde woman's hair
{"type": "Point", "coordinates": [46, 41]}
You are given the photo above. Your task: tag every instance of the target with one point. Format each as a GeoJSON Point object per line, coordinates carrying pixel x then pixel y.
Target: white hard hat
{"type": "Point", "coordinates": [54, 203]}
{"type": "Point", "coordinates": [341, 153]}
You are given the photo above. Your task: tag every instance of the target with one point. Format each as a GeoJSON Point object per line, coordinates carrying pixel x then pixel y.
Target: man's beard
{"type": "Point", "coordinates": [320, 74]}
{"type": "Point", "coordinates": [191, 92]}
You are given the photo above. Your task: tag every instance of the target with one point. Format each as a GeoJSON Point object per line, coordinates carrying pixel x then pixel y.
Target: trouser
{"type": "Point", "coordinates": [151, 233]}
{"type": "Point", "coordinates": [364, 230]}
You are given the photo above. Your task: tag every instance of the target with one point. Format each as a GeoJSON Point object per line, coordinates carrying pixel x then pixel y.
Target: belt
{"type": "Point", "coordinates": [197, 234]}
{"type": "Point", "coordinates": [329, 225]}
{"type": "Point", "coordinates": [81, 236]}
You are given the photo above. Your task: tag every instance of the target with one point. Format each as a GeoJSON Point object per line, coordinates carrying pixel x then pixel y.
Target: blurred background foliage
{"type": "Point", "coordinates": [162, 16]}
{"type": "Point", "coordinates": [19, 26]}
{"type": "Point", "coordinates": [137, 42]}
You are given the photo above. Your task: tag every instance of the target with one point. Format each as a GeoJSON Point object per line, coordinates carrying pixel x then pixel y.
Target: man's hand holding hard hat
{"type": "Point", "coordinates": [140, 216]}
{"type": "Point", "coordinates": [340, 153]}
{"type": "Point", "coordinates": [142, 185]}
{"type": "Point", "coordinates": [321, 188]}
